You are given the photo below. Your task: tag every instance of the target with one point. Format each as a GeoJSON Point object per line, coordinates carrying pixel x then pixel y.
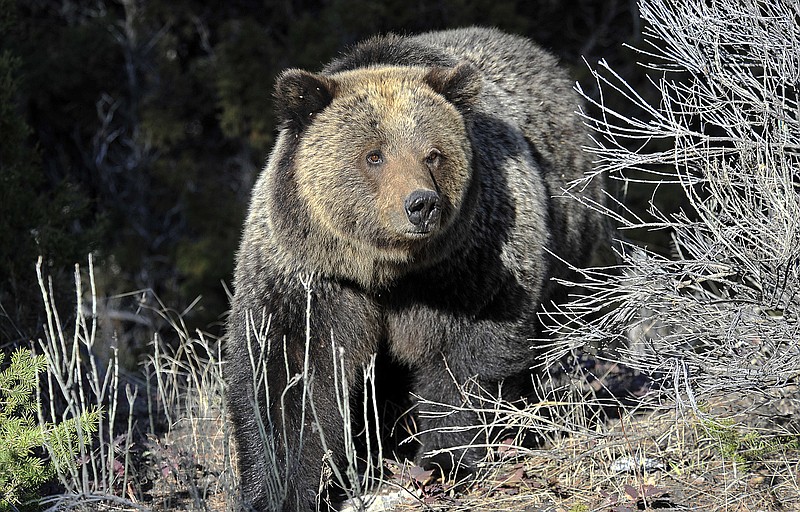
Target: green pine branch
{"type": "Point", "coordinates": [21, 470]}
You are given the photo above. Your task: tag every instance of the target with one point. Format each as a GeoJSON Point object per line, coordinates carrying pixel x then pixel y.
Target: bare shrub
{"type": "Point", "coordinates": [721, 313]}
{"type": "Point", "coordinates": [76, 383]}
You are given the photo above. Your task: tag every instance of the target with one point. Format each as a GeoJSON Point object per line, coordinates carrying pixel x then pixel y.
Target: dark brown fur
{"type": "Point", "coordinates": [481, 121]}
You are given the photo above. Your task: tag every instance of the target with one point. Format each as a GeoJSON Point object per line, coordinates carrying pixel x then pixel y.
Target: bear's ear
{"type": "Point", "coordinates": [300, 95]}
{"type": "Point", "coordinates": [461, 85]}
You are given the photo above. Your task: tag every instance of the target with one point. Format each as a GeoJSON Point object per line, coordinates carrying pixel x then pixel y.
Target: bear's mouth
{"type": "Point", "coordinates": [418, 234]}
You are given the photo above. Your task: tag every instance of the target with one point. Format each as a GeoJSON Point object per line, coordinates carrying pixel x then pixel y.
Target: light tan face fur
{"type": "Point", "coordinates": [385, 135]}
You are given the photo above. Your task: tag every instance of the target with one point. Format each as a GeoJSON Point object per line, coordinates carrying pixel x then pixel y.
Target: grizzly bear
{"type": "Point", "coordinates": [412, 206]}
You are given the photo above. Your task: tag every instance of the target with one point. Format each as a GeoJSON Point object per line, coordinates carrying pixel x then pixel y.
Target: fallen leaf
{"type": "Point", "coordinates": [651, 491]}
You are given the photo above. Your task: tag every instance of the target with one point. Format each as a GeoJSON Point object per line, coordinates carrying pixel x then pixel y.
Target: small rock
{"type": "Point", "coordinates": [638, 463]}
{"type": "Point", "coordinates": [382, 501]}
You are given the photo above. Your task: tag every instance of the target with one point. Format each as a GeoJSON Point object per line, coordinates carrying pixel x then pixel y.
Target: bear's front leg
{"type": "Point", "coordinates": [273, 407]}
{"type": "Point", "coordinates": [457, 387]}
{"type": "Point", "coordinates": [293, 355]}
{"type": "Point", "coordinates": [452, 430]}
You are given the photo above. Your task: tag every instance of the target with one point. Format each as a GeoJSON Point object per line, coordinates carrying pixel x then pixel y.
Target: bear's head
{"type": "Point", "coordinates": [382, 156]}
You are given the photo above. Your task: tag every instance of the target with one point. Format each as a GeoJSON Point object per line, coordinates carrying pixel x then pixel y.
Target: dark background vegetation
{"type": "Point", "coordinates": [134, 129]}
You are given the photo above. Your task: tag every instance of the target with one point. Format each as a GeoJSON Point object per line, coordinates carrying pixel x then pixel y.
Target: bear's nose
{"type": "Point", "coordinates": [422, 208]}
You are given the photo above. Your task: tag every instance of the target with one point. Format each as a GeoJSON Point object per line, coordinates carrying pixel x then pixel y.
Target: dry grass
{"type": "Point", "coordinates": [734, 454]}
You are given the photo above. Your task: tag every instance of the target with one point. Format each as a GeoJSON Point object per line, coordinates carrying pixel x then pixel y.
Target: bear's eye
{"type": "Point", "coordinates": [374, 157]}
{"type": "Point", "coordinates": [433, 157]}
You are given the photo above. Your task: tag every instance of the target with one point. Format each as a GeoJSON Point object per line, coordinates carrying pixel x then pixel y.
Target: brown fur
{"type": "Point", "coordinates": [368, 246]}
{"type": "Point", "coordinates": [481, 125]}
